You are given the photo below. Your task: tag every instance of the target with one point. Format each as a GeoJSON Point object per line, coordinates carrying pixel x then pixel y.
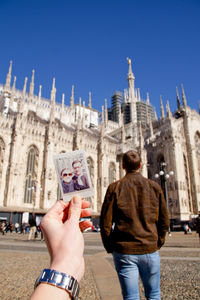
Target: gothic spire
{"type": "Point", "coordinates": [130, 72]}
{"type": "Point", "coordinates": [24, 88]}
{"type": "Point", "coordinates": [31, 89]}
{"type": "Point", "coordinates": [13, 92]}
{"type": "Point", "coordinates": [53, 92]}
{"type": "Point", "coordinates": [131, 93]}
{"type": "Point", "coordinates": [90, 100]}
{"type": "Point", "coordinates": [169, 114]}
{"type": "Point", "coordinates": [183, 96]}
{"type": "Point", "coordinates": [14, 84]}
{"type": "Point", "coordinates": [106, 112]}
{"type": "Point", "coordinates": [40, 92]}
{"type": "Point", "coordinates": [72, 97]}
{"type": "Point", "coordinates": [21, 104]}
{"type": "Point", "coordinates": [131, 81]}
{"type": "Point", "coordinates": [178, 99]}
{"type": "Point", "coordinates": [102, 115]}
{"type": "Point", "coordinates": [139, 97]}
{"type": "Point", "coordinates": [162, 108]}
{"type": "Point", "coordinates": [148, 101]}
{"type": "Point", "coordinates": [63, 100]}
{"type": "Point", "coordinates": [53, 102]}
{"type": "Point", "coordinates": [39, 99]}
{"type": "Point", "coordinates": [79, 116]}
{"type": "Point", "coordinates": [8, 77]}
{"type": "Point", "coordinates": [102, 123]}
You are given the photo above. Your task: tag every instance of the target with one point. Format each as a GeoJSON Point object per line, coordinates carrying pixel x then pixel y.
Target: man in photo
{"type": "Point", "coordinates": [67, 182]}
{"type": "Point", "coordinates": [80, 179]}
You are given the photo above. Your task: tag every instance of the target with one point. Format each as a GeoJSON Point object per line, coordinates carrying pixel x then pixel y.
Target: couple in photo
{"type": "Point", "coordinates": [74, 179]}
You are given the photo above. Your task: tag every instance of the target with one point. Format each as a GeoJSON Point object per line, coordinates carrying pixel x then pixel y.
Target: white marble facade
{"type": "Point", "coordinates": [32, 129]}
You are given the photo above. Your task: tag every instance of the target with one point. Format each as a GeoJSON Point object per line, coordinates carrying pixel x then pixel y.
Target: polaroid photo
{"type": "Point", "coordinates": [73, 174]}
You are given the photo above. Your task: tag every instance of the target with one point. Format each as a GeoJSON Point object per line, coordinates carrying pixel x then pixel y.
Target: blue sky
{"type": "Point", "coordinates": [86, 43]}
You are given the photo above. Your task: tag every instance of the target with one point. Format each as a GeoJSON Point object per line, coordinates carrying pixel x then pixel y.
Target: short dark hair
{"type": "Point", "coordinates": [131, 160]}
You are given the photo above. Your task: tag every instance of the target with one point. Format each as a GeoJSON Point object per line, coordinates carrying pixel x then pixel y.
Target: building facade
{"type": "Point", "coordinates": [33, 129]}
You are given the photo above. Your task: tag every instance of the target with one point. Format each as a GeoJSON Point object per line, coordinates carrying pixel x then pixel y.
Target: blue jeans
{"type": "Point", "coordinates": [130, 266]}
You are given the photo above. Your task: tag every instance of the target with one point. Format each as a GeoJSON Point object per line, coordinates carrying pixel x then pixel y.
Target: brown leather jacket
{"type": "Point", "coordinates": [134, 217]}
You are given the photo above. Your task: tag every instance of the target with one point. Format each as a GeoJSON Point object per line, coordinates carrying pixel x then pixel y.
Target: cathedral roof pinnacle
{"type": "Point", "coordinates": [90, 100]}
{"type": "Point", "coordinates": [106, 111]}
{"type": "Point", "coordinates": [169, 114]}
{"type": "Point", "coordinates": [130, 72]}
{"type": "Point", "coordinates": [177, 98]}
{"type": "Point", "coordinates": [139, 98]}
{"type": "Point", "coordinates": [31, 89]}
{"type": "Point", "coordinates": [53, 84]}
{"type": "Point", "coordinates": [148, 100]}
{"type": "Point", "coordinates": [63, 100]}
{"type": "Point", "coordinates": [183, 96]}
{"type": "Point", "coordinates": [102, 115]}
{"type": "Point", "coordinates": [14, 83]}
{"type": "Point", "coordinates": [25, 84]}
{"type": "Point", "coordinates": [40, 91]}
{"type": "Point", "coordinates": [72, 97]}
{"type": "Point", "coordinates": [8, 77]}
{"type": "Point", "coordinates": [162, 108]}
{"type": "Point", "coordinates": [53, 92]}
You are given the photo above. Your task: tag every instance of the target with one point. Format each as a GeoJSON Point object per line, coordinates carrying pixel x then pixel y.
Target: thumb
{"type": "Point", "coordinates": [75, 209]}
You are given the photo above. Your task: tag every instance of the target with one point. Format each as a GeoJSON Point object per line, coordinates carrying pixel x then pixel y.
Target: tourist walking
{"type": "Point", "coordinates": [33, 228]}
{"type": "Point", "coordinates": [197, 223]}
{"type": "Point", "coordinates": [134, 221]}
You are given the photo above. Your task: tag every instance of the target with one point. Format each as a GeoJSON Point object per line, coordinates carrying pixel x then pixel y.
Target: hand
{"type": "Point", "coordinates": [62, 232]}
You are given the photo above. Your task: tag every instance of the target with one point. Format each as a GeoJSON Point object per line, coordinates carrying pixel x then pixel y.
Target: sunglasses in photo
{"type": "Point", "coordinates": [67, 174]}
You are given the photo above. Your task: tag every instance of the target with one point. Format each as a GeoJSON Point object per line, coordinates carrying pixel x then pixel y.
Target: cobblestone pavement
{"type": "Point", "coordinates": [22, 261]}
{"type": "Point", "coordinates": [19, 271]}
{"type": "Point", "coordinates": [180, 268]}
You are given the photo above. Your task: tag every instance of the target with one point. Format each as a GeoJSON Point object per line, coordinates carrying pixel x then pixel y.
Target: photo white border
{"type": "Point", "coordinates": [65, 160]}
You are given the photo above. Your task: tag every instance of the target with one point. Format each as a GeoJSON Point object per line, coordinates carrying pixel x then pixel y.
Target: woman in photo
{"type": "Point", "coordinates": [67, 182]}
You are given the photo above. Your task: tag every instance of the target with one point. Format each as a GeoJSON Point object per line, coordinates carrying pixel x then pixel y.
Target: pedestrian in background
{"type": "Point", "coordinates": [134, 221]}
{"type": "Point", "coordinates": [16, 227]}
{"type": "Point", "coordinates": [33, 228]}
{"type": "Point", "coordinates": [197, 223]}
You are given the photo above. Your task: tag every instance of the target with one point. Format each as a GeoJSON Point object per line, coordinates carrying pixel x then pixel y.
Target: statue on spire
{"type": "Point", "coordinates": [129, 60]}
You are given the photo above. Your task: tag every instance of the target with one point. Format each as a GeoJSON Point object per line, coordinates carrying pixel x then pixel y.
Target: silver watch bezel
{"type": "Point", "coordinates": [61, 280]}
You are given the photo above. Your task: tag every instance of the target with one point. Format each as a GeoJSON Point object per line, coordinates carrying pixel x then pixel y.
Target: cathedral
{"type": "Point", "coordinates": [33, 129]}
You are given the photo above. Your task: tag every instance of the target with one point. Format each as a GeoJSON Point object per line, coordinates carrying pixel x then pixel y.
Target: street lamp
{"type": "Point", "coordinates": [163, 180]}
{"type": "Point", "coordinates": [32, 190]}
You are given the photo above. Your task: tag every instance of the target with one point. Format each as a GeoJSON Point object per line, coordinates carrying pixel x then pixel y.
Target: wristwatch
{"type": "Point", "coordinates": [60, 280]}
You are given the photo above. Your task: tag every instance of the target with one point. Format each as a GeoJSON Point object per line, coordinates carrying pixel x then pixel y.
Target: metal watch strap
{"type": "Point", "coordinates": [61, 280]}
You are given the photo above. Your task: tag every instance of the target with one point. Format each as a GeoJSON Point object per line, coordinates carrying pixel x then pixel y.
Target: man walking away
{"type": "Point", "coordinates": [134, 221]}
{"type": "Point", "coordinates": [33, 227]}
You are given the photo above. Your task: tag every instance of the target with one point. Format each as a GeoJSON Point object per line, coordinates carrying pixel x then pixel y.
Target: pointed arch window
{"type": "Point", "coordinates": [30, 183]}
{"type": "Point", "coordinates": [187, 181]}
{"type": "Point", "coordinates": [111, 173]}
